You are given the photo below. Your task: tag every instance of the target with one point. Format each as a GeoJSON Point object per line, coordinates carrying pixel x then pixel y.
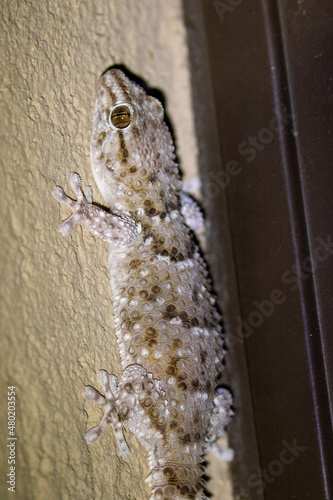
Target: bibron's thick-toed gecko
{"type": "Point", "coordinates": [167, 325]}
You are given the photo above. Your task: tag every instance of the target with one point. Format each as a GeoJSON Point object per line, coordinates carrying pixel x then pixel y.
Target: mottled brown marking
{"type": "Point", "coordinates": [186, 439]}
{"type": "Point", "coordinates": [152, 176]}
{"type": "Point", "coordinates": [123, 151]}
{"type": "Point", "coordinates": [150, 334]}
{"type": "Point", "coordinates": [195, 383]}
{"type": "Point", "coordinates": [173, 424]}
{"type": "Point", "coordinates": [182, 386]}
{"type": "Point", "coordinates": [169, 205]}
{"type": "Point", "coordinates": [170, 475]}
{"type": "Point", "coordinates": [172, 368]}
{"type": "Point", "coordinates": [195, 296]}
{"type": "Point", "coordinates": [147, 402]}
{"type": "Point", "coordinates": [152, 343]}
{"type": "Point", "coordinates": [181, 376]}
{"type": "Point", "coordinates": [121, 416]}
{"type": "Point", "coordinates": [191, 249]}
{"type": "Point", "coordinates": [154, 416]}
{"type": "Point", "coordinates": [170, 312]}
{"type": "Point", "coordinates": [176, 343]}
{"type": "Point", "coordinates": [184, 490]}
{"type": "Point", "coordinates": [194, 322]}
{"type": "Point", "coordinates": [101, 138]}
{"type": "Point", "coordinates": [128, 387]}
{"type": "Point", "coordinates": [203, 356]}
{"type": "Point", "coordinates": [136, 315]}
{"type": "Point", "coordinates": [196, 416]}
{"type": "Point", "coordinates": [135, 131]}
{"type": "Point", "coordinates": [112, 95]}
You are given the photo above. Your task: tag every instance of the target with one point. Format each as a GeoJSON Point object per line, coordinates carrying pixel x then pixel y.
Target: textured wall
{"type": "Point", "coordinates": [56, 317]}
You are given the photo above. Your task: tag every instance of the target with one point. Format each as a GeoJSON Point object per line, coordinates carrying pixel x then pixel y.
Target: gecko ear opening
{"type": "Point", "coordinates": [156, 106]}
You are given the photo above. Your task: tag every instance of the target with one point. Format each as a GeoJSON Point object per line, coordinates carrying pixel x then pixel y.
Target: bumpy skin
{"type": "Point", "coordinates": [167, 326]}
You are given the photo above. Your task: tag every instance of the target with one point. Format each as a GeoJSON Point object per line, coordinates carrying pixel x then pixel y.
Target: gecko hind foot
{"type": "Point", "coordinates": [109, 384]}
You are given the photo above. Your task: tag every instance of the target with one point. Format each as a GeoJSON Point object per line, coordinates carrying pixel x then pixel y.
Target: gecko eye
{"type": "Point", "coordinates": [121, 116]}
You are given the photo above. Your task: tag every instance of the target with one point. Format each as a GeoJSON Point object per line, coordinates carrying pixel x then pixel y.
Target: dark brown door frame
{"type": "Point", "coordinates": [263, 100]}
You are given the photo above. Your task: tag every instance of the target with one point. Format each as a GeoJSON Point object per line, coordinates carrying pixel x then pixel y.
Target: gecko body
{"type": "Point", "coordinates": [167, 325]}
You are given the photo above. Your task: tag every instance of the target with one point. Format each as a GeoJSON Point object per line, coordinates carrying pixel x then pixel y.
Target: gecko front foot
{"type": "Point", "coordinates": [109, 384]}
{"type": "Point", "coordinates": [117, 229]}
{"type": "Point", "coordinates": [77, 206]}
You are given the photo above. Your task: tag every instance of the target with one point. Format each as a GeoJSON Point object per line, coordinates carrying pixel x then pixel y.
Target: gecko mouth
{"type": "Point", "coordinates": [110, 169]}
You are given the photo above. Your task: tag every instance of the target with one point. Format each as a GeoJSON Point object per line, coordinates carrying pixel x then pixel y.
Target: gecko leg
{"type": "Point", "coordinates": [135, 399]}
{"type": "Point", "coordinates": [192, 185]}
{"type": "Point", "coordinates": [189, 207]}
{"type": "Point", "coordinates": [191, 211]}
{"type": "Point", "coordinates": [222, 414]}
{"type": "Point", "coordinates": [115, 228]}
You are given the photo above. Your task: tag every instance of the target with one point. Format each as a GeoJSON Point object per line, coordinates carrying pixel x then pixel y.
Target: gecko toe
{"type": "Point", "coordinates": [59, 194]}
{"type": "Point", "coordinates": [67, 225]}
{"type": "Point", "coordinates": [75, 180]}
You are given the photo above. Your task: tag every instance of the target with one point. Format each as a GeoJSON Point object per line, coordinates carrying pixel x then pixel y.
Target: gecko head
{"type": "Point", "coordinates": [131, 149]}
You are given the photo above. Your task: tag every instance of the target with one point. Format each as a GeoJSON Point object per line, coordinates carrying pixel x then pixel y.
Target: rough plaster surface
{"type": "Point", "coordinates": [55, 293]}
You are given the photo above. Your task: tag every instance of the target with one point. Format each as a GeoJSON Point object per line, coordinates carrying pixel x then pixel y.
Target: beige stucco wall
{"type": "Point", "coordinates": [56, 317]}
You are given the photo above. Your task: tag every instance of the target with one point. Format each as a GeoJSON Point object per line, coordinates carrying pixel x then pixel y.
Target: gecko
{"type": "Point", "coordinates": [167, 324]}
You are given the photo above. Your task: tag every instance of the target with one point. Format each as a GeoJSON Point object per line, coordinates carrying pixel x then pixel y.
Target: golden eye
{"type": "Point", "coordinates": [121, 116]}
